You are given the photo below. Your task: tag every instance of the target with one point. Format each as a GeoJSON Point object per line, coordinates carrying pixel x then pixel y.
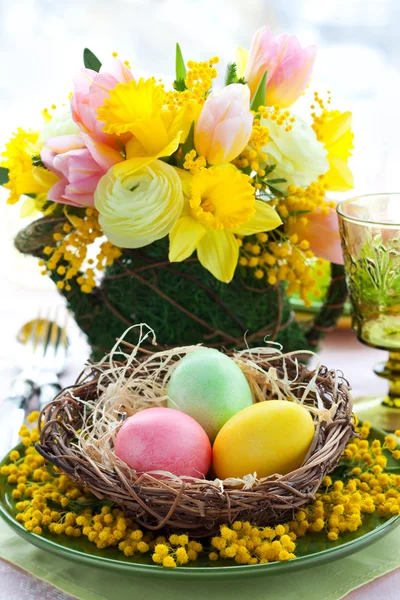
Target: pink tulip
{"type": "Point", "coordinates": [90, 91]}
{"type": "Point", "coordinates": [224, 126]}
{"type": "Point", "coordinates": [79, 162]}
{"type": "Point", "coordinates": [289, 66]}
{"type": "Point", "coordinates": [322, 232]}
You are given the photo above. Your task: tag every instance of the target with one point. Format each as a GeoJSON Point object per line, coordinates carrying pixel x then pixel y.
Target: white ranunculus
{"type": "Point", "coordinates": [61, 123]}
{"type": "Point", "coordinates": [299, 157]}
{"type": "Point", "coordinates": [138, 205]}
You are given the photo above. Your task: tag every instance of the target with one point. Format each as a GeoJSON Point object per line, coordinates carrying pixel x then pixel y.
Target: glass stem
{"type": "Point", "coordinates": [391, 371]}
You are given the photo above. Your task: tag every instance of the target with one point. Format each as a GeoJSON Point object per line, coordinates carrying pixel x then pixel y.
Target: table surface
{"type": "Point", "coordinates": [340, 350]}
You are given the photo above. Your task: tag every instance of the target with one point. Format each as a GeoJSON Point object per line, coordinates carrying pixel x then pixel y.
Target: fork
{"type": "Point", "coordinates": [55, 353]}
{"type": "Point", "coordinates": [40, 358]}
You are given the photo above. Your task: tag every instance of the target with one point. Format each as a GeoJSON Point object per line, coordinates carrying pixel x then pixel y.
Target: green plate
{"type": "Point", "coordinates": [311, 550]}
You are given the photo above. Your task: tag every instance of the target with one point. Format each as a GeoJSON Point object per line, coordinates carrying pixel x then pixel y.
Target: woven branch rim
{"type": "Point", "coordinates": [195, 505]}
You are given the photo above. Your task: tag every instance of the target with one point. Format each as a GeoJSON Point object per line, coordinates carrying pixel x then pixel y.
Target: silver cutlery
{"type": "Point", "coordinates": [40, 358]}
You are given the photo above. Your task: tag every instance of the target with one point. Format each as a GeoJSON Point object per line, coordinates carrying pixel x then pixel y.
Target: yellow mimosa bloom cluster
{"type": "Point", "coordinates": [286, 255]}
{"type": "Point", "coordinates": [198, 83]}
{"type": "Point", "coordinates": [254, 154]}
{"type": "Point", "coordinates": [200, 76]}
{"type": "Point", "coordinates": [177, 550]}
{"type": "Point", "coordinates": [250, 545]}
{"type": "Point", "coordinates": [340, 505]}
{"type": "Point", "coordinates": [251, 156]}
{"type": "Point", "coordinates": [194, 163]}
{"type": "Point", "coordinates": [276, 259]}
{"type": "Point", "coordinates": [68, 255]}
{"type": "Point", "coordinates": [46, 499]}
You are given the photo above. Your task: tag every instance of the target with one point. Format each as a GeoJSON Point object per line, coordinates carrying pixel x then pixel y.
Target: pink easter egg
{"type": "Point", "coordinates": [164, 439]}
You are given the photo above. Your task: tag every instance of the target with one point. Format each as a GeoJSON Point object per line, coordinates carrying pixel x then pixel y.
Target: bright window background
{"type": "Point", "coordinates": [358, 59]}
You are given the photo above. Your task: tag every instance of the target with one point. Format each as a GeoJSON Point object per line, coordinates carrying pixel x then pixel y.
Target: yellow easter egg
{"type": "Point", "coordinates": [268, 438]}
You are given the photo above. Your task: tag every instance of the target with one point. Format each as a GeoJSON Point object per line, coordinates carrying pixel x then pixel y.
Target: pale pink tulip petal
{"type": "Point", "coordinates": [56, 193]}
{"type": "Point", "coordinates": [289, 66]}
{"type": "Point", "coordinates": [76, 165]}
{"type": "Point", "coordinates": [119, 70]}
{"type": "Point", "coordinates": [322, 232]}
{"type": "Point", "coordinates": [288, 45]}
{"type": "Point", "coordinates": [203, 139]}
{"type": "Point", "coordinates": [263, 54]}
{"type": "Point", "coordinates": [104, 155]}
{"type": "Point", "coordinates": [291, 78]}
{"type": "Point", "coordinates": [100, 89]}
{"type": "Point", "coordinates": [64, 143]}
{"type": "Point", "coordinates": [230, 138]}
{"type": "Point", "coordinates": [79, 199]}
{"type": "Point", "coordinates": [79, 172]}
{"type": "Point", "coordinates": [82, 194]}
{"type": "Point", "coordinates": [47, 157]}
{"type": "Point", "coordinates": [90, 91]}
{"type": "Point", "coordinates": [57, 145]}
{"type": "Point", "coordinates": [83, 186]}
{"type": "Point", "coordinates": [224, 125]}
{"type": "Point", "coordinates": [82, 81]}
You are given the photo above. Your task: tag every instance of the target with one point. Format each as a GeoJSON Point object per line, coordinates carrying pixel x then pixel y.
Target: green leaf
{"type": "Point", "coordinates": [296, 213]}
{"type": "Point", "coordinates": [180, 85]}
{"type": "Point", "coordinates": [260, 95]}
{"type": "Point", "coordinates": [231, 74]}
{"type": "Point", "coordinates": [269, 168]}
{"type": "Point", "coordinates": [188, 144]}
{"type": "Point", "coordinates": [3, 175]}
{"type": "Point", "coordinates": [90, 60]}
{"type": "Point", "coordinates": [276, 191]}
{"type": "Point", "coordinates": [180, 68]}
{"type": "Point", "coordinates": [37, 161]}
{"type": "Point", "coordinates": [276, 181]}
{"type": "Point", "coordinates": [241, 80]}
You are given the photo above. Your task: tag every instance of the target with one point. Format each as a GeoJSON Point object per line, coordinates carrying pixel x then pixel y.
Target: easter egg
{"type": "Point", "coordinates": [268, 438]}
{"type": "Point", "coordinates": [162, 439]}
{"type": "Point", "coordinates": [210, 387]}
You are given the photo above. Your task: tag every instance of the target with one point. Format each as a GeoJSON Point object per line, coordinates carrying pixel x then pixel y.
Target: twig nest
{"type": "Point", "coordinates": [80, 428]}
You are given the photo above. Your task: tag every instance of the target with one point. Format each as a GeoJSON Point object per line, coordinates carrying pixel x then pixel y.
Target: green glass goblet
{"type": "Point", "coordinates": [370, 234]}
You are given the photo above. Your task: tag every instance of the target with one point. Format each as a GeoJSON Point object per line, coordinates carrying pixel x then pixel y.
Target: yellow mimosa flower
{"type": "Point", "coordinates": [24, 178]}
{"type": "Point", "coordinates": [139, 108]}
{"type": "Point", "coordinates": [220, 202]}
{"type": "Point", "coordinates": [333, 129]}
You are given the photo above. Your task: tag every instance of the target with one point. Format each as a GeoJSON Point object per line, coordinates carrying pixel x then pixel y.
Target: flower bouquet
{"type": "Point", "coordinates": [196, 210]}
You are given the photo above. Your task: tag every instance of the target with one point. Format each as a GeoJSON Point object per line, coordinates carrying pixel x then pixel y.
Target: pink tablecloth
{"type": "Point", "coordinates": [340, 350]}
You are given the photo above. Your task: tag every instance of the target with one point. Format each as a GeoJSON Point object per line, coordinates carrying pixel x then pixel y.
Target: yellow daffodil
{"type": "Point", "coordinates": [220, 202]}
{"type": "Point", "coordinates": [24, 178]}
{"type": "Point", "coordinates": [140, 108]}
{"type": "Point", "coordinates": [333, 129]}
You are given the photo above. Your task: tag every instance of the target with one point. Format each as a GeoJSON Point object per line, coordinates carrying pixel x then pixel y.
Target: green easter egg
{"type": "Point", "coordinates": [210, 387]}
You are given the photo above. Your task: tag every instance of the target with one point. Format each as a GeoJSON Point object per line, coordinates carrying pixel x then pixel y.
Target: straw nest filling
{"type": "Point", "coordinates": [78, 430]}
